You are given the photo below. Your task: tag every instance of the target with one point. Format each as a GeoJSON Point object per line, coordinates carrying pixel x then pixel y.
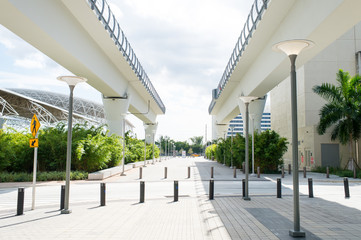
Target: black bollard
{"type": "Point", "coordinates": [243, 187]}
{"type": "Point", "coordinates": [62, 197]}
{"type": "Point", "coordinates": [140, 172]}
{"type": "Point", "coordinates": [289, 168]}
{"type": "Point", "coordinates": [234, 172]}
{"type": "Point", "coordinates": [283, 171]}
{"type": "Point", "coordinates": [279, 188]}
{"type": "Point", "coordinates": [310, 188]}
{"type": "Point", "coordinates": [102, 194]}
{"type": "Point", "coordinates": [20, 208]}
{"type": "Point", "coordinates": [176, 191]}
{"type": "Point", "coordinates": [354, 172]}
{"type": "Point", "coordinates": [189, 172]}
{"type": "Point", "coordinates": [258, 172]}
{"type": "Point", "coordinates": [304, 172]}
{"type": "Point", "coordinates": [165, 172]}
{"type": "Point", "coordinates": [142, 190]}
{"type": "Point", "coordinates": [211, 189]}
{"type": "Point", "coordinates": [243, 167]}
{"type": "Point", "coordinates": [212, 170]}
{"type": "Point", "coordinates": [327, 172]}
{"type": "Point", "coordinates": [347, 190]}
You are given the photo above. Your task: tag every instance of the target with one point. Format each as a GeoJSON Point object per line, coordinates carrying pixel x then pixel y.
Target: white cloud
{"type": "Point", "coordinates": [184, 46]}
{"type": "Point", "coordinates": [35, 60]}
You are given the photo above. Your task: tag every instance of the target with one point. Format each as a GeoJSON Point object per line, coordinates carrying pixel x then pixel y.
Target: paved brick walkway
{"type": "Point", "coordinates": [327, 216]}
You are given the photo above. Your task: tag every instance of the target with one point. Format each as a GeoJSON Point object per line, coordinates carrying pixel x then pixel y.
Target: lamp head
{"type": "Point", "coordinates": [248, 99]}
{"type": "Point", "coordinates": [293, 47]}
{"type": "Point", "coordinates": [71, 80]}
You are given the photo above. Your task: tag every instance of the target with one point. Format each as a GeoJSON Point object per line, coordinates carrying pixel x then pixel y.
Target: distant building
{"type": "Point", "coordinates": [237, 124]}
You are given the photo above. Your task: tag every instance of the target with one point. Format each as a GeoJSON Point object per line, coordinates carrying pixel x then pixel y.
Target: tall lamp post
{"type": "Point", "coordinates": [123, 136]}
{"type": "Point", "coordinates": [153, 132]}
{"type": "Point", "coordinates": [252, 115]}
{"type": "Point", "coordinates": [71, 81]}
{"type": "Point", "coordinates": [292, 48]}
{"type": "Point", "coordinates": [145, 148]}
{"type": "Point", "coordinates": [232, 127]}
{"type": "Point", "coordinates": [224, 152]}
{"type": "Point", "coordinates": [247, 100]}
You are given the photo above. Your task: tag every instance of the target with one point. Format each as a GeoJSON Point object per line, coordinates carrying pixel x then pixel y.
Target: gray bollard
{"type": "Point", "coordinates": [140, 172]}
{"type": "Point", "coordinates": [327, 172]}
{"type": "Point", "coordinates": [258, 172]}
{"type": "Point", "coordinates": [243, 187]}
{"type": "Point", "coordinates": [102, 194]}
{"type": "Point", "coordinates": [20, 208]}
{"type": "Point", "coordinates": [212, 171]}
{"type": "Point", "coordinates": [165, 172]}
{"type": "Point", "coordinates": [211, 189]}
{"type": "Point", "coordinates": [175, 191]}
{"type": "Point", "coordinates": [142, 190]}
{"type": "Point", "coordinates": [234, 172]}
{"type": "Point", "coordinates": [289, 168]}
{"type": "Point", "coordinates": [310, 188]}
{"type": "Point", "coordinates": [62, 197]}
{"type": "Point", "coordinates": [304, 172]}
{"type": "Point", "coordinates": [347, 190]}
{"type": "Point", "coordinates": [189, 172]}
{"type": "Point", "coordinates": [283, 171]}
{"type": "Point", "coordinates": [243, 167]}
{"type": "Point", "coordinates": [279, 188]}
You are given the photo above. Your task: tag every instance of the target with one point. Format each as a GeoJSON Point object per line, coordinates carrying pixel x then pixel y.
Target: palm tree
{"type": "Point", "coordinates": [342, 110]}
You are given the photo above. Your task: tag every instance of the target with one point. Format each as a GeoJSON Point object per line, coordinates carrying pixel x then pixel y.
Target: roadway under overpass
{"type": "Point", "coordinates": [84, 37]}
{"type": "Point", "coordinates": [254, 68]}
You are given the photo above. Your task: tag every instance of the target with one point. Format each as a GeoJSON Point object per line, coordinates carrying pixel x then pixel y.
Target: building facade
{"type": "Point", "coordinates": [237, 124]}
{"type": "Point", "coordinates": [314, 149]}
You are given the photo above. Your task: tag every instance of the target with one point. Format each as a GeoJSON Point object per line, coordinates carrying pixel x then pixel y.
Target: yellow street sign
{"type": "Point", "coordinates": [35, 125]}
{"type": "Point", "coordinates": [34, 142]}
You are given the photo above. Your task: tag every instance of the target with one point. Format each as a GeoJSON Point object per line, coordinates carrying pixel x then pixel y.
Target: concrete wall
{"type": "Point", "coordinates": [322, 68]}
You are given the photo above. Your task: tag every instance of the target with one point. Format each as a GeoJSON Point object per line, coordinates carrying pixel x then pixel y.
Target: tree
{"type": "Point", "coordinates": [197, 144]}
{"type": "Point", "coordinates": [269, 148]}
{"type": "Point", "coordinates": [342, 109]}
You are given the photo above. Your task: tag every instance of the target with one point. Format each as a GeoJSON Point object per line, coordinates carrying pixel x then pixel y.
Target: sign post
{"type": "Point", "coordinates": [34, 143]}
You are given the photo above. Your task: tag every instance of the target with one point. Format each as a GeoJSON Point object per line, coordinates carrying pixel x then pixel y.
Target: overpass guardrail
{"type": "Point", "coordinates": [105, 15]}
{"type": "Point", "coordinates": [255, 15]}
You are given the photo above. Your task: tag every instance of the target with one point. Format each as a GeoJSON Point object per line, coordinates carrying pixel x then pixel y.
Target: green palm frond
{"type": "Point", "coordinates": [328, 91]}
{"type": "Point", "coordinates": [343, 107]}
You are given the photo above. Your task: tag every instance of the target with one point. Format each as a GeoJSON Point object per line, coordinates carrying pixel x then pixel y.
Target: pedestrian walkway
{"type": "Point", "coordinates": [327, 216]}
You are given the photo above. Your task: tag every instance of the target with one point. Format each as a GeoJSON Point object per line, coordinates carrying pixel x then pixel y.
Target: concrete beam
{"type": "Point", "coordinates": [260, 69]}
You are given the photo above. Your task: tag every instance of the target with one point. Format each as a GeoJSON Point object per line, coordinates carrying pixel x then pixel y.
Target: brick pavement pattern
{"type": "Point", "coordinates": [327, 216]}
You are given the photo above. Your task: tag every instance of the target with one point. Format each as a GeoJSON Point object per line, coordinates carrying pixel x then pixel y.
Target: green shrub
{"type": "Point", "coordinates": [41, 176]}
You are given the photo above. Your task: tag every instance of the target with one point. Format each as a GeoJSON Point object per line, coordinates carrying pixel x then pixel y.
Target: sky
{"type": "Point", "coordinates": [183, 45]}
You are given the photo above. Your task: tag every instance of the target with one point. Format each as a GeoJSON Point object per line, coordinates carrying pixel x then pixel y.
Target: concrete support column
{"type": "Point", "coordinates": [218, 129]}
{"type": "Point", "coordinates": [150, 131]}
{"type": "Point", "coordinates": [256, 108]}
{"type": "Point", "coordinates": [115, 111]}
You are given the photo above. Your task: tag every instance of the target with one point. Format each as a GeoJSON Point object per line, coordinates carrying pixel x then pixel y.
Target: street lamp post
{"type": "Point", "coordinates": [153, 132]}
{"type": "Point", "coordinates": [123, 136]}
{"type": "Point", "coordinates": [232, 146]}
{"type": "Point", "coordinates": [252, 118]}
{"type": "Point", "coordinates": [247, 100]}
{"type": "Point", "coordinates": [145, 149]}
{"type": "Point", "coordinates": [292, 48]}
{"type": "Point", "coordinates": [71, 81]}
{"type": "Point", "coordinates": [224, 152]}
